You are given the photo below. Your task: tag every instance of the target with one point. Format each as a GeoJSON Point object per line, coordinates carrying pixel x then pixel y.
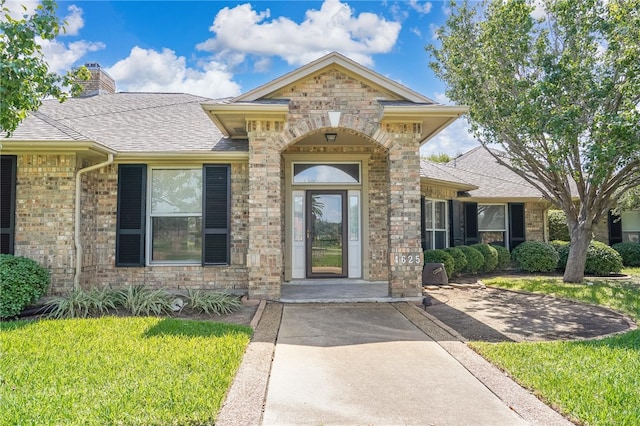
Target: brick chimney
{"type": "Point", "coordinates": [100, 82]}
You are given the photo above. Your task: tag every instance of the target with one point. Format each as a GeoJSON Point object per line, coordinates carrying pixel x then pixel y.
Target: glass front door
{"type": "Point", "coordinates": [326, 248]}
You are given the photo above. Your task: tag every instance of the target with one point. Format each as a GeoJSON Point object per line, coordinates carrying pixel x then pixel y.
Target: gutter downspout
{"type": "Point", "coordinates": [78, 244]}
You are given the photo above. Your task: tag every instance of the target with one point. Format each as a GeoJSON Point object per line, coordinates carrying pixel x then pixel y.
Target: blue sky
{"type": "Point", "coordinates": [222, 48]}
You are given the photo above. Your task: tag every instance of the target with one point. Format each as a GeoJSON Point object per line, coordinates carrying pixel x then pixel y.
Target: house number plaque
{"type": "Point", "coordinates": [406, 259]}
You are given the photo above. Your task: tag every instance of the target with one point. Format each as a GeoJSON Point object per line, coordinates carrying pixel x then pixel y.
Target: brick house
{"type": "Point", "coordinates": [496, 206]}
{"type": "Point", "coordinates": [474, 199]}
{"type": "Point", "coordinates": [313, 175]}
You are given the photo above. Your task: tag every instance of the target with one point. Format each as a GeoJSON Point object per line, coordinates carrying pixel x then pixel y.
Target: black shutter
{"type": "Point", "coordinates": [216, 215]}
{"type": "Point", "coordinates": [517, 228]}
{"type": "Point", "coordinates": [131, 223]}
{"type": "Point", "coordinates": [422, 223]}
{"type": "Point", "coordinates": [615, 229]}
{"type": "Point", "coordinates": [7, 202]}
{"type": "Point", "coordinates": [456, 237]}
{"type": "Point", "coordinates": [470, 223]}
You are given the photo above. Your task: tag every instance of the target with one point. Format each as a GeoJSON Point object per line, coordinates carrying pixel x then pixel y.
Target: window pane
{"type": "Point", "coordinates": [428, 240]}
{"type": "Point", "coordinates": [440, 215]}
{"type": "Point", "coordinates": [176, 239]}
{"type": "Point", "coordinates": [354, 218]}
{"type": "Point", "coordinates": [631, 237]}
{"type": "Point", "coordinates": [440, 240]}
{"type": "Point", "coordinates": [489, 237]}
{"type": "Point", "coordinates": [176, 191]}
{"type": "Point", "coordinates": [630, 220]}
{"type": "Point", "coordinates": [298, 218]}
{"type": "Point", "coordinates": [491, 217]}
{"type": "Point", "coordinates": [428, 214]}
{"type": "Point", "coordinates": [326, 173]}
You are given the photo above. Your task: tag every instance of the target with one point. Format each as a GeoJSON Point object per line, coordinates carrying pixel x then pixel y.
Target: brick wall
{"type": "Point", "coordinates": [45, 188]}
{"type": "Point", "coordinates": [535, 221]}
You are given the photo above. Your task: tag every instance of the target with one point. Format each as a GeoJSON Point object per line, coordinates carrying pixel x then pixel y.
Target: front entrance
{"type": "Point", "coordinates": [326, 232]}
{"type": "Point", "coordinates": [325, 219]}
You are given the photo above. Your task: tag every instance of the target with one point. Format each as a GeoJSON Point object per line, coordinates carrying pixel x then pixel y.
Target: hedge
{"type": "Point", "coordinates": [602, 260]}
{"type": "Point", "coordinates": [460, 260]}
{"type": "Point", "coordinates": [504, 257]}
{"type": "Point", "coordinates": [475, 259]}
{"type": "Point", "coordinates": [490, 255]}
{"type": "Point", "coordinates": [535, 256]}
{"type": "Point", "coordinates": [630, 253]}
{"type": "Point", "coordinates": [558, 228]}
{"type": "Point", "coordinates": [440, 256]}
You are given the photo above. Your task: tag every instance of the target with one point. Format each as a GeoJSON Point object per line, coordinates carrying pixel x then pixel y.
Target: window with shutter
{"type": "Point", "coordinates": [175, 216]}
{"type": "Point", "coordinates": [131, 223]}
{"type": "Point", "coordinates": [7, 202]}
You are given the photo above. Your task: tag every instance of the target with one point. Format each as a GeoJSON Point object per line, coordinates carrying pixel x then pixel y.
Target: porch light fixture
{"type": "Point", "coordinates": [331, 137]}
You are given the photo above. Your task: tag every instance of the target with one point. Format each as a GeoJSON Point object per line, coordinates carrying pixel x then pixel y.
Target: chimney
{"type": "Point", "coordinates": [100, 82]}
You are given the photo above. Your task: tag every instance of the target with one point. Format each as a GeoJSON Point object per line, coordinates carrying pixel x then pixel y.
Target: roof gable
{"type": "Point", "coordinates": [392, 90]}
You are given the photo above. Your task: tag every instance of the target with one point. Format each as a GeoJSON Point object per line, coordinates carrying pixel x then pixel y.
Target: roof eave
{"type": "Point", "coordinates": [8, 146]}
{"type": "Point", "coordinates": [459, 186]}
{"type": "Point", "coordinates": [184, 156]}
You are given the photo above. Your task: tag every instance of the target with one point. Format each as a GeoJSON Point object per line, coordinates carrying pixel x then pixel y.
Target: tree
{"type": "Point", "coordinates": [439, 158]}
{"type": "Point", "coordinates": [630, 200]}
{"type": "Point", "coordinates": [25, 79]}
{"type": "Point", "coordinates": [560, 94]}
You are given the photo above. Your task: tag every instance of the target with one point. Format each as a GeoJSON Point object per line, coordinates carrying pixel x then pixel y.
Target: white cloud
{"type": "Point", "coordinates": [416, 31]}
{"type": "Point", "coordinates": [19, 8]}
{"type": "Point", "coordinates": [421, 8]}
{"type": "Point", "coordinates": [453, 140]}
{"type": "Point", "coordinates": [242, 31]}
{"type": "Point", "coordinates": [61, 57]}
{"type": "Point", "coordinates": [147, 70]}
{"type": "Point", "coordinates": [73, 22]}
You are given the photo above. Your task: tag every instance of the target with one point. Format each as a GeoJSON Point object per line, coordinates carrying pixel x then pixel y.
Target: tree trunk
{"type": "Point", "coordinates": [580, 239]}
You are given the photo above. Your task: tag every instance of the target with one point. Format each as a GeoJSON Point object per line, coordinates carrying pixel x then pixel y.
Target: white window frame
{"type": "Point", "coordinates": [506, 223]}
{"type": "Point", "coordinates": [150, 215]}
{"type": "Point", "coordinates": [433, 229]}
{"type": "Point", "coordinates": [632, 229]}
{"type": "Point", "coordinates": [326, 163]}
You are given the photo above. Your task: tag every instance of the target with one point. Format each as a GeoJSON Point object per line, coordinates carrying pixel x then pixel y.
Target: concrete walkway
{"type": "Point", "coordinates": [370, 363]}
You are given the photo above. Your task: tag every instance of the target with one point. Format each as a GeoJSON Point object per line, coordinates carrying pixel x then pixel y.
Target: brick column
{"type": "Point", "coordinates": [405, 263]}
{"type": "Point", "coordinates": [264, 257]}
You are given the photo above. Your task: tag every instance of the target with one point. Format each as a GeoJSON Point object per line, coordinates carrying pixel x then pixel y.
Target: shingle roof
{"type": "Point", "coordinates": [442, 172]}
{"type": "Point", "coordinates": [494, 180]}
{"type": "Point", "coordinates": [130, 122]}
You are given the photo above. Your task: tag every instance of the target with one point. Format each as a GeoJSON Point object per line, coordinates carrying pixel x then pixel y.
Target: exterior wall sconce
{"type": "Point", "coordinates": [331, 137]}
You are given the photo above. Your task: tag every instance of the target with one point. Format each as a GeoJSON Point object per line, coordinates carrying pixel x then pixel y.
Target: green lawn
{"type": "Point", "coordinates": [594, 382]}
{"type": "Point", "coordinates": [111, 370]}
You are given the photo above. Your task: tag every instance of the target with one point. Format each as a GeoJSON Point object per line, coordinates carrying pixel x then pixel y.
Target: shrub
{"type": "Point", "coordinates": [535, 256]}
{"type": "Point", "coordinates": [22, 282]}
{"type": "Point", "coordinates": [81, 304]}
{"type": "Point", "coordinates": [490, 255]}
{"type": "Point", "coordinates": [504, 257]}
{"type": "Point", "coordinates": [211, 302]}
{"type": "Point", "coordinates": [440, 256]}
{"type": "Point", "coordinates": [475, 259]}
{"type": "Point", "coordinates": [601, 259]}
{"type": "Point", "coordinates": [558, 244]}
{"type": "Point", "coordinates": [558, 229]}
{"type": "Point", "coordinates": [630, 253]}
{"type": "Point", "coordinates": [459, 259]}
{"type": "Point", "coordinates": [141, 300]}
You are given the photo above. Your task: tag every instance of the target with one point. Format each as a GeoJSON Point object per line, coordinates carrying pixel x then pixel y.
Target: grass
{"type": "Point", "coordinates": [594, 382]}
{"type": "Point", "coordinates": [112, 370]}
